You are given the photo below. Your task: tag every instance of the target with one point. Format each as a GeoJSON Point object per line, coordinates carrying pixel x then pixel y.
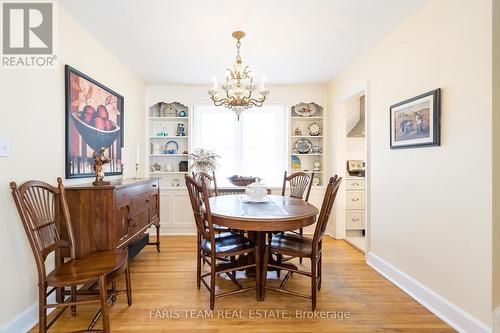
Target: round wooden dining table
{"type": "Point", "coordinates": [276, 213]}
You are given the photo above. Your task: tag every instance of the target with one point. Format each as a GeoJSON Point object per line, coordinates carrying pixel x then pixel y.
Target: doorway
{"type": "Point", "coordinates": [356, 152]}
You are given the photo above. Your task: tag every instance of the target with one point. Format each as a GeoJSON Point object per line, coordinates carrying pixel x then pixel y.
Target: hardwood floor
{"type": "Point", "coordinates": [164, 286]}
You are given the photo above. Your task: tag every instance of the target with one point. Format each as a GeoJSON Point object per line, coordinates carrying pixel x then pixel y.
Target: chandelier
{"type": "Point", "coordinates": [239, 87]}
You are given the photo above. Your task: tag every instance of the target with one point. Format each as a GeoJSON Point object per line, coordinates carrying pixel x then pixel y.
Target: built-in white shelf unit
{"type": "Point", "coordinates": [307, 129]}
{"type": "Point", "coordinates": [169, 143]}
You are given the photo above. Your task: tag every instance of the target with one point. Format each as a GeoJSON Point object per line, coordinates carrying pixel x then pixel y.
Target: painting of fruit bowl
{"type": "Point", "coordinates": [93, 136]}
{"type": "Point", "coordinates": [94, 120]}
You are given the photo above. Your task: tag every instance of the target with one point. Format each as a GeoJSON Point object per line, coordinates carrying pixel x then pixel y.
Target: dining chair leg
{"type": "Point", "coordinates": [319, 271]}
{"type": "Point", "coordinates": [113, 291]}
{"type": "Point", "coordinates": [212, 282]}
{"type": "Point", "coordinates": [128, 285]}
{"type": "Point", "coordinates": [73, 299]}
{"type": "Point", "coordinates": [264, 274]}
{"type": "Point", "coordinates": [301, 232]}
{"type": "Point", "coordinates": [314, 265]}
{"type": "Point", "coordinates": [158, 237]}
{"type": "Point", "coordinates": [257, 272]}
{"type": "Point", "coordinates": [104, 304]}
{"type": "Point", "coordinates": [279, 259]}
{"type": "Point", "coordinates": [42, 311]}
{"type": "Point", "coordinates": [198, 262]}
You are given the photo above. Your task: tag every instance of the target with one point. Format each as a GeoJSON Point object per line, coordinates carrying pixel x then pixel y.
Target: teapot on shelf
{"type": "Point", "coordinates": [257, 191]}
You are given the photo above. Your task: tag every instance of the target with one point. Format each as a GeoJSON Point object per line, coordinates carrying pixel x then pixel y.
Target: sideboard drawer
{"type": "Point", "coordinates": [355, 184]}
{"type": "Point", "coordinates": [355, 219]}
{"type": "Point", "coordinates": [355, 199]}
{"type": "Point", "coordinates": [127, 193]}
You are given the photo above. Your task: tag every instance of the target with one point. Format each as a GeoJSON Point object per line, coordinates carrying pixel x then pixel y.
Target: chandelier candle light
{"type": "Point", "coordinates": [239, 85]}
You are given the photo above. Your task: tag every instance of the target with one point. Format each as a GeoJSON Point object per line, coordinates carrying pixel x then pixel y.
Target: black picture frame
{"type": "Point", "coordinates": [434, 135]}
{"type": "Point", "coordinates": [93, 135]}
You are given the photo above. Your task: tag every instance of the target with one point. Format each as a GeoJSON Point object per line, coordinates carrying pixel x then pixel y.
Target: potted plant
{"type": "Point", "coordinates": [204, 160]}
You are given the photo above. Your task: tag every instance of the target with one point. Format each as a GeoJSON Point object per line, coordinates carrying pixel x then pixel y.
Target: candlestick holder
{"type": "Point", "coordinates": [136, 170]}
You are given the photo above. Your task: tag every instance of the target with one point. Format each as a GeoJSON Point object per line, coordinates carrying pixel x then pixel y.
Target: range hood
{"type": "Point", "coordinates": [358, 125]}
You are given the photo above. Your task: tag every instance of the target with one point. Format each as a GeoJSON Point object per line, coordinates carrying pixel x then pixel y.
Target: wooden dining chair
{"type": "Point", "coordinates": [299, 184]}
{"type": "Point", "coordinates": [294, 245]}
{"type": "Point", "coordinates": [214, 247]}
{"type": "Point", "coordinates": [210, 180]}
{"type": "Point", "coordinates": [43, 208]}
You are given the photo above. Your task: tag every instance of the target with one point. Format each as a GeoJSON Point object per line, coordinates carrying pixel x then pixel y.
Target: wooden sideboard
{"type": "Point", "coordinates": [113, 216]}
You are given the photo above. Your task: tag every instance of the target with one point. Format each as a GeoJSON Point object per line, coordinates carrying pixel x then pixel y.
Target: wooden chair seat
{"type": "Point", "coordinates": [88, 268]}
{"type": "Point", "coordinates": [291, 244]}
{"type": "Point", "coordinates": [227, 243]}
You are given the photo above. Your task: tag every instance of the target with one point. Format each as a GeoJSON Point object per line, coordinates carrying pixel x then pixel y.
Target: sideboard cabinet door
{"type": "Point", "coordinates": [123, 222]}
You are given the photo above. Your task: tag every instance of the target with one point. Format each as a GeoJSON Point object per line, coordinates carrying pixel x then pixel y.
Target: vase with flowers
{"type": "Point", "coordinates": [204, 160]}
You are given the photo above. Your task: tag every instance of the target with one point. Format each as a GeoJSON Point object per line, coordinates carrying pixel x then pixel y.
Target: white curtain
{"type": "Point", "coordinates": [254, 146]}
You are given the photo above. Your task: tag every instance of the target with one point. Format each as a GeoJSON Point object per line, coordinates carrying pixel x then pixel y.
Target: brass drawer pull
{"type": "Point", "coordinates": [355, 184]}
{"type": "Point", "coordinates": [355, 199]}
{"type": "Point", "coordinates": [355, 219]}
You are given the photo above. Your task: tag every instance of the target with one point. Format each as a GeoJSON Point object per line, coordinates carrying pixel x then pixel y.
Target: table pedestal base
{"type": "Point", "coordinates": [259, 237]}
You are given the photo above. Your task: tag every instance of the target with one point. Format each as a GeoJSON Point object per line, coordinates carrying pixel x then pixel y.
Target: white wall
{"type": "Point", "coordinates": [496, 162]}
{"type": "Point", "coordinates": [191, 95]}
{"type": "Point", "coordinates": [355, 148]}
{"type": "Point", "coordinates": [431, 208]}
{"type": "Point", "coordinates": [32, 119]}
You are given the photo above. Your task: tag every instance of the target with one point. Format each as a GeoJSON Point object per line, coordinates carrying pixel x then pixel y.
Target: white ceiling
{"type": "Point", "coordinates": [189, 41]}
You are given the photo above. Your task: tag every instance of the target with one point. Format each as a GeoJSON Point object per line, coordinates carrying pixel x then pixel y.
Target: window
{"type": "Point", "coordinates": [254, 146]}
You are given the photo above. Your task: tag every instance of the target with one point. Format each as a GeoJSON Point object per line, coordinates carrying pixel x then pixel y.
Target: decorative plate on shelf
{"type": "Point", "coordinates": [305, 109]}
{"type": "Point", "coordinates": [316, 150]}
{"type": "Point", "coordinates": [171, 147]}
{"type": "Point", "coordinates": [314, 129]}
{"type": "Point", "coordinates": [303, 146]}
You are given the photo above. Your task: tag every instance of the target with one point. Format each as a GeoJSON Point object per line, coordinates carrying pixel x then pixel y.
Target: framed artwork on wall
{"type": "Point", "coordinates": [416, 122]}
{"type": "Point", "coordinates": [94, 120]}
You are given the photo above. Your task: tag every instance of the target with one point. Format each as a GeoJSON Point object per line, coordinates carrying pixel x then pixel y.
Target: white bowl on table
{"type": "Point", "coordinates": [256, 192]}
